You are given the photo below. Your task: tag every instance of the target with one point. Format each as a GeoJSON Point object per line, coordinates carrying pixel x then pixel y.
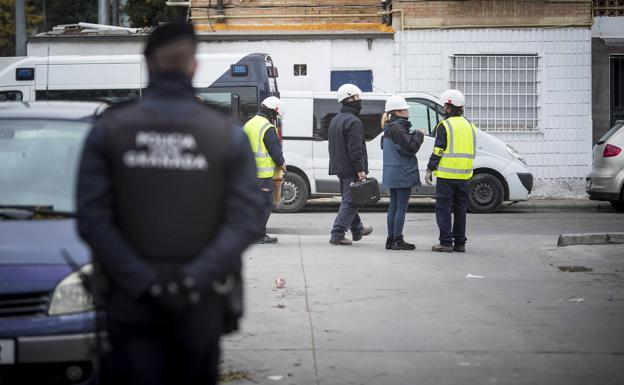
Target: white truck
{"type": "Point", "coordinates": [235, 83]}
{"type": "Point", "coordinates": [500, 172]}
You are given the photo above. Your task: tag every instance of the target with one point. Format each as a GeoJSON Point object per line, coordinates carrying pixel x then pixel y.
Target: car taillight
{"type": "Point", "coordinates": [611, 150]}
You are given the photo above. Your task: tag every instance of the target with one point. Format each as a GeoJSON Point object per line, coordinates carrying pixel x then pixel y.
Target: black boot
{"type": "Point", "coordinates": [400, 244]}
{"type": "Point", "coordinates": [389, 242]}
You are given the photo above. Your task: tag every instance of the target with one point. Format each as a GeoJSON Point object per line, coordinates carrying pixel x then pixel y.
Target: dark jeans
{"type": "Point", "coordinates": [399, 199]}
{"type": "Point", "coordinates": [166, 349]}
{"type": "Point", "coordinates": [451, 201]}
{"type": "Point", "coordinates": [348, 217]}
{"type": "Point", "coordinates": [267, 200]}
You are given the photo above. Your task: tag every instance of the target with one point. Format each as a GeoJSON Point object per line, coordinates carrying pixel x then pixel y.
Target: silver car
{"type": "Point", "coordinates": [605, 182]}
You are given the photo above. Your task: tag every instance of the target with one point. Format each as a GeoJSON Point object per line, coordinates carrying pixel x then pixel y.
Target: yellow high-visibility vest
{"type": "Point", "coordinates": [255, 129]}
{"type": "Point", "coordinates": [461, 142]}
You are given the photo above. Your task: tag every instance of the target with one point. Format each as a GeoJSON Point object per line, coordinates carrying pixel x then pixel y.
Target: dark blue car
{"type": "Point", "coordinates": [47, 323]}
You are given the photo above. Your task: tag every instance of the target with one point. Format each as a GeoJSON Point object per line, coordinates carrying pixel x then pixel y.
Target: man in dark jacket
{"type": "Point", "coordinates": [349, 161]}
{"type": "Point", "coordinates": [168, 200]}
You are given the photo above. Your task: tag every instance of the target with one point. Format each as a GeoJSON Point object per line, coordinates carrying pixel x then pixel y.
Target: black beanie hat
{"type": "Point", "coordinates": [167, 33]}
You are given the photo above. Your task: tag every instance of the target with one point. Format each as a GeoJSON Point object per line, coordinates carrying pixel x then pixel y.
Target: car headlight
{"type": "Point", "coordinates": [513, 152]}
{"type": "Point", "coordinates": [70, 295]}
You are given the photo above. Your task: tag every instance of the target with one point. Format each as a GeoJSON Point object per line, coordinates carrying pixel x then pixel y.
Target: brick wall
{"type": "Point", "coordinates": [504, 13]}
{"type": "Point", "coordinates": [320, 13]}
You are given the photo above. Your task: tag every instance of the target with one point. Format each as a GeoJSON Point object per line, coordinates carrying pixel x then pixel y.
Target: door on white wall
{"type": "Point", "coordinates": [361, 78]}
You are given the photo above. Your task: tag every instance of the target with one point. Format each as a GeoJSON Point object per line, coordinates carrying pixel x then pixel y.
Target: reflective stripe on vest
{"type": "Point", "coordinates": [255, 129]}
{"type": "Point", "coordinates": [458, 157]}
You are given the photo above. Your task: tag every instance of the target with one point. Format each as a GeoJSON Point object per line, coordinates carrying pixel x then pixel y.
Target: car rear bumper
{"type": "Point", "coordinates": [68, 358]}
{"type": "Point", "coordinates": [603, 187]}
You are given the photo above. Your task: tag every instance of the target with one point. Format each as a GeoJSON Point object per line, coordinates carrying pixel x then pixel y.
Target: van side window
{"type": "Point", "coordinates": [106, 96]}
{"type": "Point", "coordinates": [11, 96]}
{"type": "Point", "coordinates": [326, 109]}
{"type": "Point", "coordinates": [220, 97]}
{"type": "Point", "coordinates": [425, 114]}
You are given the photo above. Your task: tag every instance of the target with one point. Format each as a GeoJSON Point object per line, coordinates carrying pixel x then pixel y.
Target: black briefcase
{"type": "Point", "coordinates": [365, 192]}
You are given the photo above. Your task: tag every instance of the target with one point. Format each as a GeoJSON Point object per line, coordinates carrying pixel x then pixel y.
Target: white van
{"type": "Point", "coordinates": [500, 172]}
{"type": "Point", "coordinates": [235, 83]}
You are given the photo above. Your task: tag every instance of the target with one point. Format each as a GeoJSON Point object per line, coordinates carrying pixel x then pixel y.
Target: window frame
{"type": "Point", "coordinates": [322, 119]}
{"type": "Point", "coordinates": [503, 92]}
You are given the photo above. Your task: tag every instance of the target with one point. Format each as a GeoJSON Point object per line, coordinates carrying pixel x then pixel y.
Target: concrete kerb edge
{"type": "Point", "coordinates": [590, 239]}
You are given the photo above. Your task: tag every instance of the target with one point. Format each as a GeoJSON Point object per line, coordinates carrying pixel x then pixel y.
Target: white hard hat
{"type": "Point", "coordinates": [396, 102]}
{"type": "Point", "coordinates": [454, 97]}
{"type": "Point", "coordinates": [274, 103]}
{"type": "Point", "coordinates": [347, 90]}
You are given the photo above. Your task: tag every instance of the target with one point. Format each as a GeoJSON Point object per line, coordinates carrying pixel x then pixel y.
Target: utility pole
{"type": "Point", "coordinates": [20, 28]}
{"type": "Point", "coordinates": [115, 12]}
{"type": "Point", "coordinates": [103, 13]}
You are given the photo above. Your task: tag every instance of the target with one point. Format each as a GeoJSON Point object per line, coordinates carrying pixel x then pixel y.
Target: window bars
{"type": "Point", "coordinates": [501, 90]}
{"type": "Point", "coordinates": [608, 7]}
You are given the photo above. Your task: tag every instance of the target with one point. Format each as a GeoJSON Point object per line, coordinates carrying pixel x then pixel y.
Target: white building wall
{"type": "Point", "coordinates": [562, 147]}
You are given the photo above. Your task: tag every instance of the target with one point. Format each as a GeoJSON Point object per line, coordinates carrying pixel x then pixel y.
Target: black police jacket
{"type": "Point", "coordinates": [167, 181]}
{"type": "Point", "coordinates": [347, 148]}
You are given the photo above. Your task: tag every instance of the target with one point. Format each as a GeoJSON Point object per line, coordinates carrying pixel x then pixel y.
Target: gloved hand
{"type": "Point", "coordinates": [283, 167]}
{"type": "Point", "coordinates": [174, 295]}
{"type": "Point", "coordinates": [429, 177]}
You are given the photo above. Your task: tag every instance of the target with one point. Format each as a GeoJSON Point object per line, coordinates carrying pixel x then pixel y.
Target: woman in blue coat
{"type": "Point", "coordinates": [400, 143]}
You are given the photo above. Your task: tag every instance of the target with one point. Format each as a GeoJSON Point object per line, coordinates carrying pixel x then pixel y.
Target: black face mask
{"type": "Point", "coordinates": [271, 114]}
{"type": "Point", "coordinates": [355, 104]}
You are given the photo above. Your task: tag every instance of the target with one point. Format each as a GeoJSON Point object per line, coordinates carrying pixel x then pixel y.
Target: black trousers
{"type": "Point", "coordinates": [348, 217]}
{"type": "Point", "coordinates": [150, 346]}
{"type": "Point", "coordinates": [451, 208]}
{"type": "Point", "coordinates": [266, 185]}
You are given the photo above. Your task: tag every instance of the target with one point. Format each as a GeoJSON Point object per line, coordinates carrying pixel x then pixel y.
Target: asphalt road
{"type": "Point", "coordinates": [365, 315]}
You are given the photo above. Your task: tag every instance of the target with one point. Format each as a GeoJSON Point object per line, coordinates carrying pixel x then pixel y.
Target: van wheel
{"type": "Point", "coordinates": [485, 193]}
{"type": "Point", "coordinates": [294, 193]}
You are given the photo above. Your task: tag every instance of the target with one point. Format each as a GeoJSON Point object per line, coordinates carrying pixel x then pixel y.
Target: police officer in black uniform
{"type": "Point", "coordinates": [168, 200]}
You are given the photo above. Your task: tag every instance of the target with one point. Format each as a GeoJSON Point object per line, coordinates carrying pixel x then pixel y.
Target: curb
{"type": "Point", "coordinates": [590, 239]}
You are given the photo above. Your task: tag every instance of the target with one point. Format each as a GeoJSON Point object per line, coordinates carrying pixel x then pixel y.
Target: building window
{"type": "Point", "coordinates": [501, 90]}
{"type": "Point", "coordinates": [301, 70]}
{"type": "Point", "coordinates": [608, 7]}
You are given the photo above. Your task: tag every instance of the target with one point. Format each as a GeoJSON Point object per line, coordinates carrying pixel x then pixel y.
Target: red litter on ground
{"type": "Point", "coordinates": [280, 283]}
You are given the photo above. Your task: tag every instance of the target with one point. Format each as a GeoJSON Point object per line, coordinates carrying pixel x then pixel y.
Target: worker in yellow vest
{"type": "Point", "coordinates": [265, 144]}
{"type": "Point", "coordinates": [452, 162]}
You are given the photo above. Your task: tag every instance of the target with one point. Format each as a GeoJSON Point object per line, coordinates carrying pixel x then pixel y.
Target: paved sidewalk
{"type": "Point", "coordinates": [364, 315]}
{"type": "Point", "coordinates": [428, 204]}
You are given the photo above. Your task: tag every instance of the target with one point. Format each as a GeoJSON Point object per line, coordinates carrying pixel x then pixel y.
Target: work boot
{"type": "Point", "coordinates": [365, 231]}
{"type": "Point", "coordinates": [341, 242]}
{"type": "Point", "coordinates": [400, 244]}
{"type": "Point", "coordinates": [442, 248]}
{"type": "Point", "coordinates": [389, 241]}
{"type": "Point", "coordinates": [459, 248]}
{"type": "Point", "coordinates": [267, 239]}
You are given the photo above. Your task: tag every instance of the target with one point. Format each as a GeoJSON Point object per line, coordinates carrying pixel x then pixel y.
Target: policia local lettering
{"type": "Point", "coordinates": [171, 151]}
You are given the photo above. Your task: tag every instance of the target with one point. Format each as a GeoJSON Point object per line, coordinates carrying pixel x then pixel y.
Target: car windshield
{"type": "Point", "coordinates": [39, 162]}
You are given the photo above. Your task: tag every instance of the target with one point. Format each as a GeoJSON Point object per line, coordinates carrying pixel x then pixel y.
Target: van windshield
{"type": "Point", "coordinates": [39, 161]}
